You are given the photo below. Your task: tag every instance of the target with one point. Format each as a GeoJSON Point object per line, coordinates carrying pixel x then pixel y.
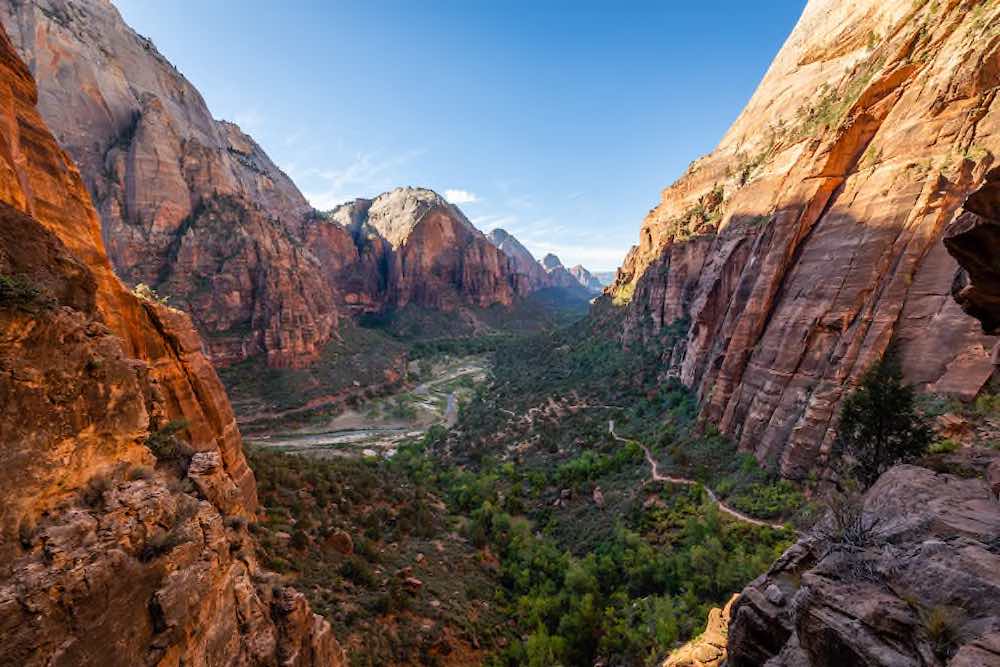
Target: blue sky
{"type": "Point", "coordinates": [559, 121]}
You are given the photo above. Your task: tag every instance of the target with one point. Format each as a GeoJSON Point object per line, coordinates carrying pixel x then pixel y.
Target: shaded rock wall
{"type": "Point", "coordinates": [107, 556]}
{"type": "Point", "coordinates": [973, 239]}
{"type": "Point", "coordinates": [529, 270]}
{"type": "Point", "coordinates": [811, 237]}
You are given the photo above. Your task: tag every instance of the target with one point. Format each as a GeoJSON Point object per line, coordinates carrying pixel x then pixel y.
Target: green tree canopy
{"type": "Point", "coordinates": [879, 424]}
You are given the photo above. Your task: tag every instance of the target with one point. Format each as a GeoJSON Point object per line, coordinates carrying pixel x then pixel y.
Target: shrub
{"type": "Point", "coordinates": [18, 291]}
{"type": "Point", "coordinates": [138, 472]}
{"type": "Point", "coordinates": [236, 522]}
{"type": "Point", "coordinates": [165, 444]}
{"type": "Point", "coordinates": [946, 446]}
{"type": "Point", "coordinates": [941, 626]}
{"type": "Point", "coordinates": [93, 492]}
{"type": "Point", "coordinates": [161, 542]}
{"type": "Point", "coordinates": [147, 293]}
{"type": "Point", "coordinates": [846, 523]}
{"type": "Point", "coordinates": [357, 571]}
{"type": "Point", "coordinates": [879, 424]}
{"type": "Point", "coordinates": [26, 532]}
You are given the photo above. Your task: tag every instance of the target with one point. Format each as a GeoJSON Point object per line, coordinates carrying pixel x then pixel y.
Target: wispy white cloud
{"type": "Point", "coordinates": [460, 197]}
{"type": "Point", "coordinates": [487, 223]}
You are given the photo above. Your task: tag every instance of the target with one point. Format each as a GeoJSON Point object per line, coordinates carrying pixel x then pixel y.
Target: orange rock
{"type": "Point", "coordinates": [341, 542]}
{"type": "Point", "coordinates": [810, 238]}
{"type": "Point", "coordinates": [100, 568]}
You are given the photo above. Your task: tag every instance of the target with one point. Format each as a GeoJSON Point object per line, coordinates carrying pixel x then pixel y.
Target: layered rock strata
{"type": "Point", "coordinates": [810, 238]}
{"type": "Point", "coordinates": [109, 555]}
{"type": "Point", "coordinates": [915, 581]}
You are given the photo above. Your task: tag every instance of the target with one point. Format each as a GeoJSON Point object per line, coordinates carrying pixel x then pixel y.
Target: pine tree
{"type": "Point", "coordinates": [879, 424]}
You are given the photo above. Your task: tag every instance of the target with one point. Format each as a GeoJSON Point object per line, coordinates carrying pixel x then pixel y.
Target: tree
{"type": "Point", "coordinates": [879, 424]}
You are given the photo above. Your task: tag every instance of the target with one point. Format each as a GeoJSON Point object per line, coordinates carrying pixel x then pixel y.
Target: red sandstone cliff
{"type": "Point", "coordinates": [529, 270]}
{"type": "Point", "coordinates": [189, 205]}
{"type": "Point", "coordinates": [194, 207]}
{"type": "Point", "coordinates": [412, 246]}
{"type": "Point", "coordinates": [811, 237]}
{"type": "Point", "coordinates": [110, 556]}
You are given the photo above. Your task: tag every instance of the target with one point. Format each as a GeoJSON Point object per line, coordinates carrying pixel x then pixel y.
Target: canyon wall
{"type": "Point", "coordinates": [810, 238]}
{"type": "Point", "coordinates": [111, 555]}
{"type": "Point", "coordinates": [524, 262]}
{"type": "Point", "coordinates": [194, 208]}
{"type": "Point", "coordinates": [423, 251]}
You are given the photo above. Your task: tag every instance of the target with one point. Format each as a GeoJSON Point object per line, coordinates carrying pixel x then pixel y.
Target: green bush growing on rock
{"type": "Point", "coordinates": [879, 424]}
{"type": "Point", "coordinates": [19, 292]}
{"type": "Point", "coordinates": [165, 444]}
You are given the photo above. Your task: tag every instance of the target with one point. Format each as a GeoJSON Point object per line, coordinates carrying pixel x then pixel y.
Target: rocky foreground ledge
{"type": "Point", "coordinates": [921, 586]}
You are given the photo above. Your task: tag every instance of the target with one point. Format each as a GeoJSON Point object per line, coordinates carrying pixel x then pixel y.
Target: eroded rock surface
{"type": "Point", "coordinates": [107, 555]}
{"type": "Point", "coordinates": [923, 589]}
{"type": "Point", "coordinates": [973, 239]}
{"type": "Point", "coordinates": [193, 207]}
{"type": "Point", "coordinates": [420, 250]}
{"type": "Point", "coordinates": [709, 648]}
{"type": "Point", "coordinates": [586, 279]}
{"type": "Point", "coordinates": [811, 237]}
{"type": "Point", "coordinates": [533, 275]}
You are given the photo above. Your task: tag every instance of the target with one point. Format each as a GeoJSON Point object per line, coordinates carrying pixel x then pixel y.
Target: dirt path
{"type": "Point", "coordinates": [657, 477]}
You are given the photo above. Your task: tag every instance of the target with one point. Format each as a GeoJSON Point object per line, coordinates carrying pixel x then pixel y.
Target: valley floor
{"type": "Point", "coordinates": [521, 530]}
{"type": "Point", "coordinates": [377, 427]}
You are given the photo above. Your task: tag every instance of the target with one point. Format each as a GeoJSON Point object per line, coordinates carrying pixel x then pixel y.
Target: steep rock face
{"type": "Point", "coordinates": [559, 276]}
{"type": "Point", "coordinates": [922, 589]}
{"type": "Point", "coordinates": [413, 247]}
{"type": "Point", "coordinates": [811, 237]}
{"type": "Point", "coordinates": [158, 167]}
{"type": "Point", "coordinates": [532, 274]}
{"type": "Point", "coordinates": [709, 648]}
{"type": "Point", "coordinates": [107, 560]}
{"type": "Point", "coordinates": [973, 239]}
{"type": "Point", "coordinates": [586, 279]}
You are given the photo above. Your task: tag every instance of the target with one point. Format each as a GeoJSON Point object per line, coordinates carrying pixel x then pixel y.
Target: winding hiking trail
{"type": "Point", "coordinates": [657, 477]}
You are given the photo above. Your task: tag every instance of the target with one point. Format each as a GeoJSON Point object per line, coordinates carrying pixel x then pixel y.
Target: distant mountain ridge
{"type": "Point", "coordinates": [193, 207]}
{"type": "Point", "coordinates": [546, 272]}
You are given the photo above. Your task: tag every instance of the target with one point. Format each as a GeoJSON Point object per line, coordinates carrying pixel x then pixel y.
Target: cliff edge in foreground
{"type": "Point", "coordinates": [124, 494]}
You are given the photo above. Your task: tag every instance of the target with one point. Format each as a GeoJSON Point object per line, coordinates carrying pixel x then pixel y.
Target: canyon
{"type": "Point", "coordinates": [873, 123]}
{"type": "Point", "coordinates": [112, 555]}
{"type": "Point", "coordinates": [193, 207]}
{"type": "Point", "coordinates": [494, 511]}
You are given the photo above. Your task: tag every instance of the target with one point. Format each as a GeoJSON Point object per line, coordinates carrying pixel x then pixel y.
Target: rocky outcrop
{"type": "Point", "coordinates": [973, 239]}
{"type": "Point", "coordinates": [586, 279]}
{"type": "Point", "coordinates": [194, 208]}
{"type": "Point", "coordinates": [810, 239]}
{"type": "Point", "coordinates": [559, 276]}
{"type": "Point", "coordinates": [530, 273]}
{"type": "Point", "coordinates": [110, 554]}
{"type": "Point", "coordinates": [915, 580]}
{"type": "Point", "coordinates": [709, 648]}
{"type": "Point", "coordinates": [410, 246]}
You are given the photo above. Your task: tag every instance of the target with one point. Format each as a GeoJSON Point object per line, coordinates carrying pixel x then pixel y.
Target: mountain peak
{"type": "Point", "coordinates": [551, 262]}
